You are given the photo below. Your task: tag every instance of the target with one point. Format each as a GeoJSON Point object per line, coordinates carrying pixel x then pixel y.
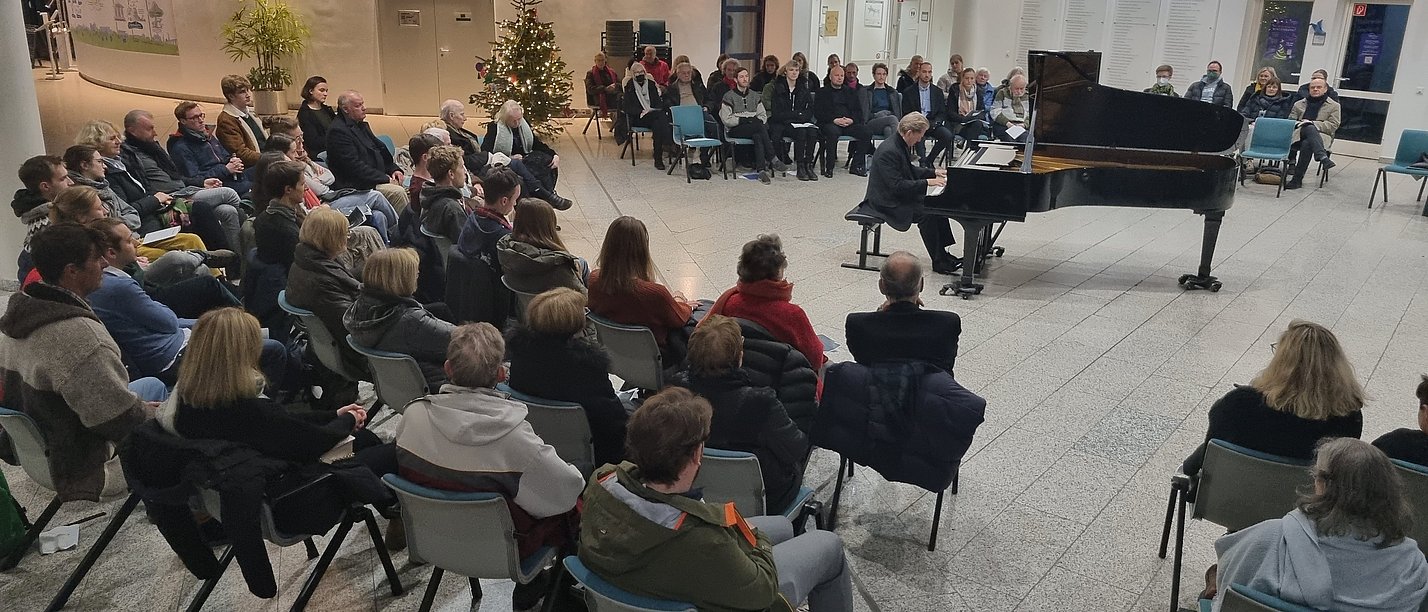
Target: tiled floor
{"type": "Point", "coordinates": [1097, 369]}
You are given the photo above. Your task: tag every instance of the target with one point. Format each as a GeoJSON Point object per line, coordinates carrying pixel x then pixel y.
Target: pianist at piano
{"type": "Point", "coordinates": [896, 188]}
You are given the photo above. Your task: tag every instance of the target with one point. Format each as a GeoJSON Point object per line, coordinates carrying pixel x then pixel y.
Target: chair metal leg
{"type": "Point", "coordinates": [310, 585]}
{"type": "Point", "coordinates": [311, 547]}
{"type": "Point", "coordinates": [94, 551]}
{"type": "Point", "coordinates": [206, 587]}
{"type": "Point", "coordinates": [1378, 177]}
{"type": "Point", "coordinates": [476, 594]}
{"type": "Point", "coordinates": [837, 494]}
{"type": "Point", "coordinates": [432, 584]}
{"type": "Point", "coordinates": [31, 535]}
{"type": "Point", "coordinates": [1421, 184]}
{"type": "Point", "coordinates": [382, 554]}
{"type": "Point", "coordinates": [1179, 550]}
{"type": "Point", "coordinates": [850, 468]}
{"type": "Point", "coordinates": [1169, 516]}
{"type": "Point", "coordinates": [936, 520]}
{"type": "Point", "coordinates": [956, 476]}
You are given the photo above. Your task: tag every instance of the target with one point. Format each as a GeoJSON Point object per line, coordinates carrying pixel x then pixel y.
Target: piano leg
{"type": "Point", "coordinates": [1203, 280]}
{"type": "Point", "coordinates": [967, 286]}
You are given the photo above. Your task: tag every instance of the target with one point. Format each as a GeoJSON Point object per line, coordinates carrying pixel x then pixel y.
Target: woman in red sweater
{"type": "Point", "coordinates": [623, 290]}
{"type": "Point", "coordinates": [764, 297]}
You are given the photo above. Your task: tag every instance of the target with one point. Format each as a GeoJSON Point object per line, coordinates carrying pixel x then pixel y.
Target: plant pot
{"type": "Point", "coordinates": [269, 102]}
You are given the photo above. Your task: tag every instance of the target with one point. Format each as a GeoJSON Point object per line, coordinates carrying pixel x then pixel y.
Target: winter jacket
{"type": "Point", "coordinates": [582, 378]}
{"type": "Point", "coordinates": [328, 288]}
{"type": "Point", "coordinates": [751, 419]}
{"type": "Point", "coordinates": [59, 366]}
{"type": "Point", "coordinates": [401, 325]}
{"type": "Point", "coordinates": [833, 102]}
{"type": "Point", "coordinates": [154, 166]}
{"type": "Point", "coordinates": [442, 211]}
{"type": "Point", "coordinates": [533, 269]}
{"type": "Point", "coordinates": [275, 234]}
{"type": "Point", "coordinates": [675, 547]}
{"type": "Point", "coordinates": [128, 184]}
{"type": "Point", "coordinates": [789, 105]}
{"type": "Point", "coordinates": [518, 146]}
{"type": "Point", "coordinates": [1327, 122]}
{"type": "Point", "coordinates": [769, 303]}
{"type": "Point", "coordinates": [865, 101]}
{"type": "Point", "coordinates": [771, 363]}
{"type": "Point", "coordinates": [911, 422]}
{"type": "Point", "coordinates": [259, 423]}
{"type": "Point", "coordinates": [472, 155]}
{"type": "Point", "coordinates": [1223, 96]}
{"type": "Point", "coordinates": [465, 439]}
{"type": "Point", "coordinates": [238, 136]}
{"type": "Point", "coordinates": [117, 207]}
{"type": "Point", "coordinates": [484, 228]}
{"type": "Point", "coordinates": [1276, 107]}
{"type": "Point", "coordinates": [201, 156]}
{"type": "Point", "coordinates": [358, 160]}
{"type": "Point", "coordinates": [904, 331]}
{"type": "Point", "coordinates": [148, 333]}
{"type": "Point", "coordinates": [1244, 417]}
{"type": "Point", "coordinates": [671, 93]}
{"type": "Point", "coordinates": [739, 105]}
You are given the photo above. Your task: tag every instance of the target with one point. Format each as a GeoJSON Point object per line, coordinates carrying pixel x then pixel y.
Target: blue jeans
{"type": "Point", "coordinates": [150, 389]}
{"type": "Point", "coordinates": [379, 211]}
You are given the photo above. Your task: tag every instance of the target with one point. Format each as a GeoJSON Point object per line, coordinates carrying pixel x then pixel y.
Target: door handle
{"type": "Point", "coordinates": [444, 50]}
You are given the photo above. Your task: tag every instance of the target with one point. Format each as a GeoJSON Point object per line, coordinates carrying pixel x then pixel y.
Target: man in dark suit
{"type": "Point", "coordinates": [358, 160]}
{"type": "Point", "coordinates": [927, 98]}
{"type": "Point", "coordinates": [896, 189]}
{"type": "Point", "coordinates": [836, 109]}
{"type": "Point", "coordinates": [900, 330]}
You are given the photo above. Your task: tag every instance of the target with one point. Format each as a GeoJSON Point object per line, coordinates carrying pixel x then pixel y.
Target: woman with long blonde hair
{"type": "Point", "coordinates": [1307, 392]}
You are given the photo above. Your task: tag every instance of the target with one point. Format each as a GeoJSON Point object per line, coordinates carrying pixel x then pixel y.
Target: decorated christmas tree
{"type": "Point", "coordinates": [525, 66]}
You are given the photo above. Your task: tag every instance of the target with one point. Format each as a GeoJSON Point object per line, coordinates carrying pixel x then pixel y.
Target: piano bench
{"type": "Point", "coordinates": [872, 226]}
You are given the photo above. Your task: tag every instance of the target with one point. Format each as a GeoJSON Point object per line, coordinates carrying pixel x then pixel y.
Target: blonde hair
{"type": "Point", "coordinates": [912, 122]}
{"type": "Point", "coordinates": [1309, 375]}
{"type": "Point", "coordinates": [473, 357]}
{"type": "Point", "coordinates": [442, 159]}
{"type": "Point", "coordinates": [94, 132]}
{"type": "Point", "coordinates": [559, 312]}
{"type": "Point", "coordinates": [392, 271]}
{"type": "Point", "coordinates": [220, 365]}
{"type": "Point", "coordinates": [72, 203]}
{"type": "Point", "coordinates": [505, 110]}
{"type": "Point", "coordinates": [325, 229]}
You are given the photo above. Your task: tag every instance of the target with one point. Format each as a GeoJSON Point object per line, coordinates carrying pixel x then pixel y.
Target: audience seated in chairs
{"type": "Point", "coordinates": [42, 178]}
{"type": "Point", "coordinates": [644, 534]}
{"type": "Point", "coordinates": [480, 163]}
{"type": "Point", "coordinates": [1345, 546]}
{"type": "Point", "coordinates": [834, 62]}
{"type": "Point", "coordinates": [770, 70]}
{"type": "Point", "coordinates": [533, 257]}
{"type": "Point", "coordinates": [553, 339]}
{"type": "Point", "coordinates": [197, 153]}
{"type": "Point", "coordinates": [1318, 116]}
{"type": "Point", "coordinates": [1013, 109]}
{"type": "Point", "coordinates": [444, 210]}
{"type": "Point", "coordinates": [908, 76]}
{"type": "Point", "coordinates": [985, 90]}
{"type": "Point", "coordinates": [491, 221]}
{"type": "Point", "coordinates": [315, 116]}
{"type": "Point", "coordinates": [747, 417]}
{"type": "Point", "coordinates": [322, 280]}
{"type": "Point", "coordinates": [685, 89]}
{"type": "Point", "coordinates": [954, 75]}
{"type": "Point", "coordinates": [722, 81]}
{"type": "Point", "coordinates": [386, 317]}
{"type": "Point", "coordinates": [279, 201]}
{"type": "Point", "coordinates": [1307, 392]}
{"type": "Point", "coordinates": [881, 104]}
{"type": "Point", "coordinates": [901, 329]}
{"type": "Point", "coordinates": [471, 437]}
{"type": "Point", "coordinates": [1211, 88]}
{"type": "Point", "coordinates": [645, 108]}
{"type": "Point", "coordinates": [790, 102]}
{"type": "Point", "coordinates": [511, 135]}
{"type": "Point", "coordinates": [836, 108]}
{"type": "Point", "coordinates": [850, 76]}
{"type": "Point", "coordinates": [809, 79]}
{"type": "Point", "coordinates": [420, 147]}
{"type": "Point", "coordinates": [763, 296]}
{"type": "Point", "coordinates": [240, 131]}
{"type": "Point", "coordinates": [1002, 90]}
{"type": "Point", "coordinates": [966, 114]}
{"type": "Point", "coordinates": [1320, 73]}
{"type": "Point", "coordinates": [380, 214]}
{"type": "Point", "coordinates": [1162, 86]}
{"type": "Point", "coordinates": [216, 210]}
{"type": "Point", "coordinates": [896, 188]}
{"type": "Point", "coordinates": [624, 289]}
{"type": "Point", "coordinates": [744, 116]}
{"type": "Point", "coordinates": [359, 160]}
{"type": "Point", "coordinates": [924, 97]}
{"type": "Point", "coordinates": [64, 371]}
{"type": "Point", "coordinates": [674, 66]}
{"type": "Point", "coordinates": [602, 86]}
{"type": "Point", "coordinates": [1259, 84]}
{"type": "Point", "coordinates": [657, 68]}
{"type": "Point", "coordinates": [1405, 444]}
{"type": "Point", "coordinates": [1270, 102]}
{"type": "Point", "coordinates": [177, 280]}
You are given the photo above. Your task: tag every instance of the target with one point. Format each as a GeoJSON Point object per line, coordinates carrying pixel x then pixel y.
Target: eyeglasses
{"type": "Point", "coordinates": [196, 117]}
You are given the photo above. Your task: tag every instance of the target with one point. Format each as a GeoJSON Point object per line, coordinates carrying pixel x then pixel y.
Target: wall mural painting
{"type": "Point", "coordinates": [140, 26]}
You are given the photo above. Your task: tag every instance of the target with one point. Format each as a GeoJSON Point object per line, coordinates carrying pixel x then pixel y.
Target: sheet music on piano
{"type": "Point", "coordinates": [988, 157]}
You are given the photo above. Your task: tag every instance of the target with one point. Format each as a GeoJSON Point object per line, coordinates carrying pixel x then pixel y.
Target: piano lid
{"type": "Point", "coordinates": [1073, 108]}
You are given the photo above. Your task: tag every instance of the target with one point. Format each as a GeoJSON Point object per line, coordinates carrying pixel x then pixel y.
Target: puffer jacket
{"type": "Point", "coordinates": [326, 287]}
{"type": "Point", "coordinates": [1276, 107]}
{"type": "Point", "coordinates": [789, 105]}
{"type": "Point", "coordinates": [117, 207]}
{"type": "Point", "coordinates": [401, 325]}
{"type": "Point", "coordinates": [777, 365]}
{"type": "Point", "coordinates": [911, 422]}
{"type": "Point", "coordinates": [533, 269]}
{"type": "Point", "coordinates": [582, 366]}
{"type": "Point", "coordinates": [751, 419]}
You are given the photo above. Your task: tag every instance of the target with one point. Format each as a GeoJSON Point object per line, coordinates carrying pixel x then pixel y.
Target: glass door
{"type": "Point", "coordinates": [1374, 36]}
{"type": "Point", "coordinates": [742, 35]}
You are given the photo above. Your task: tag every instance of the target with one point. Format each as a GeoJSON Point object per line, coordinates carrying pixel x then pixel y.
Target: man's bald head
{"type": "Point", "coordinates": [901, 277]}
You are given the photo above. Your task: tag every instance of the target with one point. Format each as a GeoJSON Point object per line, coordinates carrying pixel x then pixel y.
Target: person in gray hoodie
{"type": "Point", "coordinates": [1345, 546]}
{"type": "Point", "coordinates": [744, 114]}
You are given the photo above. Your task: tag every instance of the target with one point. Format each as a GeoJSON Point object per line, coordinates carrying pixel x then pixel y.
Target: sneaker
{"type": "Point", "coordinates": [764, 177]}
{"type": "Point", "coordinates": [219, 258]}
{"type": "Point", "coordinates": [778, 165]}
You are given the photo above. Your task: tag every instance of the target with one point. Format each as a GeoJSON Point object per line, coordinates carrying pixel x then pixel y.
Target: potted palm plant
{"type": "Point", "coordinates": [268, 31]}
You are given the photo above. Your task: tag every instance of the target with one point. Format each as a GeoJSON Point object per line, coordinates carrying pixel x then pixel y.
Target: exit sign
{"type": "Point", "coordinates": [1360, 10]}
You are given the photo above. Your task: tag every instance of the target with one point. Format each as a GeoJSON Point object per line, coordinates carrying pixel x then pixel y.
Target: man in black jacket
{"type": "Point", "coordinates": [896, 189]}
{"type": "Point", "coordinates": [358, 160]}
{"type": "Point", "coordinates": [900, 329]}
{"type": "Point", "coordinates": [838, 113]}
{"type": "Point", "coordinates": [928, 99]}
{"type": "Point", "coordinates": [217, 211]}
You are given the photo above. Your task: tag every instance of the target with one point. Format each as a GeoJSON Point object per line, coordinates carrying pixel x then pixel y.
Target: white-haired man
{"type": "Point", "coordinates": [478, 162]}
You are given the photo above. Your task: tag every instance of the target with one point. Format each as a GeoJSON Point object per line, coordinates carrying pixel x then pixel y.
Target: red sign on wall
{"type": "Point", "coordinates": [1360, 10]}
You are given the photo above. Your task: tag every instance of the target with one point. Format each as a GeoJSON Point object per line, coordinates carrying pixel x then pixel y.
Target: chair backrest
{"type": "Point", "coordinates": [601, 596]}
{"type": "Point", "coordinates": [1241, 598]}
{"type": "Point", "coordinates": [732, 476]}
{"type": "Point", "coordinates": [396, 376]}
{"type": "Point", "coordinates": [688, 120]}
{"type": "Point", "coordinates": [1240, 487]}
{"type": "Point", "coordinates": [1272, 134]}
{"type": "Point", "coordinates": [30, 446]}
{"type": "Point", "coordinates": [470, 534]}
{"type": "Point", "coordinates": [653, 32]}
{"type": "Point", "coordinates": [1412, 144]}
{"type": "Point", "coordinates": [474, 291]}
{"type": "Point", "coordinates": [323, 343]}
{"type": "Point", "coordinates": [634, 354]}
{"type": "Point", "coordinates": [523, 299]}
{"type": "Point", "coordinates": [387, 142]}
{"type": "Point", "coordinates": [563, 425]}
{"type": "Point", "coordinates": [1415, 486]}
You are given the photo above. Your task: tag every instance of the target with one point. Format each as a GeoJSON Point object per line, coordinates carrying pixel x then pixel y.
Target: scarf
{"type": "Point", "coordinates": [767, 289]}
{"type": "Point", "coordinates": [1312, 106]}
{"type": "Point", "coordinates": [642, 92]}
{"type": "Point", "coordinates": [967, 101]}
{"type": "Point", "coordinates": [152, 149]}
{"type": "Point", "coordinates": [505, 138]}
{"type": "Point", "coordinates": [482, 211]}
{"type": "Point", "coordinates": [731, 83]}
{"type": "Point", "coordinates": [603, 76]}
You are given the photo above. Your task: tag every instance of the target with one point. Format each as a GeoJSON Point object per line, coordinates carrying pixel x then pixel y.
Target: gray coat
{"type": "Point", "coordinates": [865, 99]}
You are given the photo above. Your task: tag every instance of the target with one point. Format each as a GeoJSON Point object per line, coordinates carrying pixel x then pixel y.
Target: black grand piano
{"type": "Point", "coordinates": [1093, 145]}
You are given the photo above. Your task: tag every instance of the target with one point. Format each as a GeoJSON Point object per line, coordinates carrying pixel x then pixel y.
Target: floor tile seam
{"type": "Point", "coordinates": [1394, 334]}
{"type": "Point", "coordinates": [1132, 594]}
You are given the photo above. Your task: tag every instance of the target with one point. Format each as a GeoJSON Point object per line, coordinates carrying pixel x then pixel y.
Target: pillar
{"type": "Point", "coordinates": [19, 122]}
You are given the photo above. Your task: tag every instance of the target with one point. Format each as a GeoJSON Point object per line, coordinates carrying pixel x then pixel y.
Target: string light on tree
{"type": "Point", "coordinates": [525, 66]}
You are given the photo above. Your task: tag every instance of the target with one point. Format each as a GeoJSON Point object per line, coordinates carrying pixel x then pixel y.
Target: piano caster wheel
{"type": "Point", "coordinates": [1191, 281]}
{"type": "Point", "coordinates": [1215, 287]}
{"type": "Point", "coordinates": [998, 251]}
{"type": "Point", "coordinates": [967, 291]}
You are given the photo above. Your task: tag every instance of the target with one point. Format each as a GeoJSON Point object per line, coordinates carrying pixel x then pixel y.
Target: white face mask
{"type": "Point", "coordinates": [1163, 80]}
{"type": "Point", "coordinates": [465, 191]}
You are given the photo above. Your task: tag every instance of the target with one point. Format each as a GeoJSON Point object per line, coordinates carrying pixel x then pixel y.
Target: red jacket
{"type": "Point", "coordinates": [650, 305]}
{"type": "Point", "coordinates": [659, 71]}
{"type": "Point", "coordinates": [768, 303]}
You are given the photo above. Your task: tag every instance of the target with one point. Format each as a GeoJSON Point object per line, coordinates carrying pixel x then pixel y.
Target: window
{"type": "Point", "coordinates": [742, 35]}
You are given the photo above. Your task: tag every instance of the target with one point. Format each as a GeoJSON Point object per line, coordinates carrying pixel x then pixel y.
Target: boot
{"type": "Point", "coordinates": [828, 167]}
{"type": "Point", "coordinates": [555, 201]}
{"type": "Point", "coordinates": [859, 167]}
{"type": "Point", "coordinates": [812, 176]}
{"type": "Point", "coordinates": [802, 171]}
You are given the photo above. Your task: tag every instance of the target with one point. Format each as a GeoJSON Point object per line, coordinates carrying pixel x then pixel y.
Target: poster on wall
{"type": "Point", "coordinates": [140, 26]}
{"type": "Point", "coordinates": [1283, 32]}
{"type": "Point", "coordinates": [873, 14]}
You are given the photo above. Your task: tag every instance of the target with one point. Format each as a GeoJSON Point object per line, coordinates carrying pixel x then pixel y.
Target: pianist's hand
{"type": "Point", "coordinates": [942, 173]}
{"type": "Point", "coordinates": [937, 181]}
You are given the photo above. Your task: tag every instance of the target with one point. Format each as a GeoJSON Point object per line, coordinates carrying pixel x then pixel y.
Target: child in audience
{"type": "Point", "coordinates": [1406, 444]}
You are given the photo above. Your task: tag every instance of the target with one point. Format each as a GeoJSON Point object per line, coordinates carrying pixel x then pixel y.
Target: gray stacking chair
{"type": "Point", "coordinates": [634, 353]}
{"type": "Point", "coordinates": [563, 425]}
{"type": "Point", "coordinates": [1415, 487]}
{"type": "Point", "coordinates": [396, 376]}
{"type": "Point", "coordinates": [1241, 598]}
{"type": "Point", "coordinates": [601, 596]}
{"type": "Point", "coordinates": [736, 476]}
{"type": "Point", "coordinates": [523, 299]}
